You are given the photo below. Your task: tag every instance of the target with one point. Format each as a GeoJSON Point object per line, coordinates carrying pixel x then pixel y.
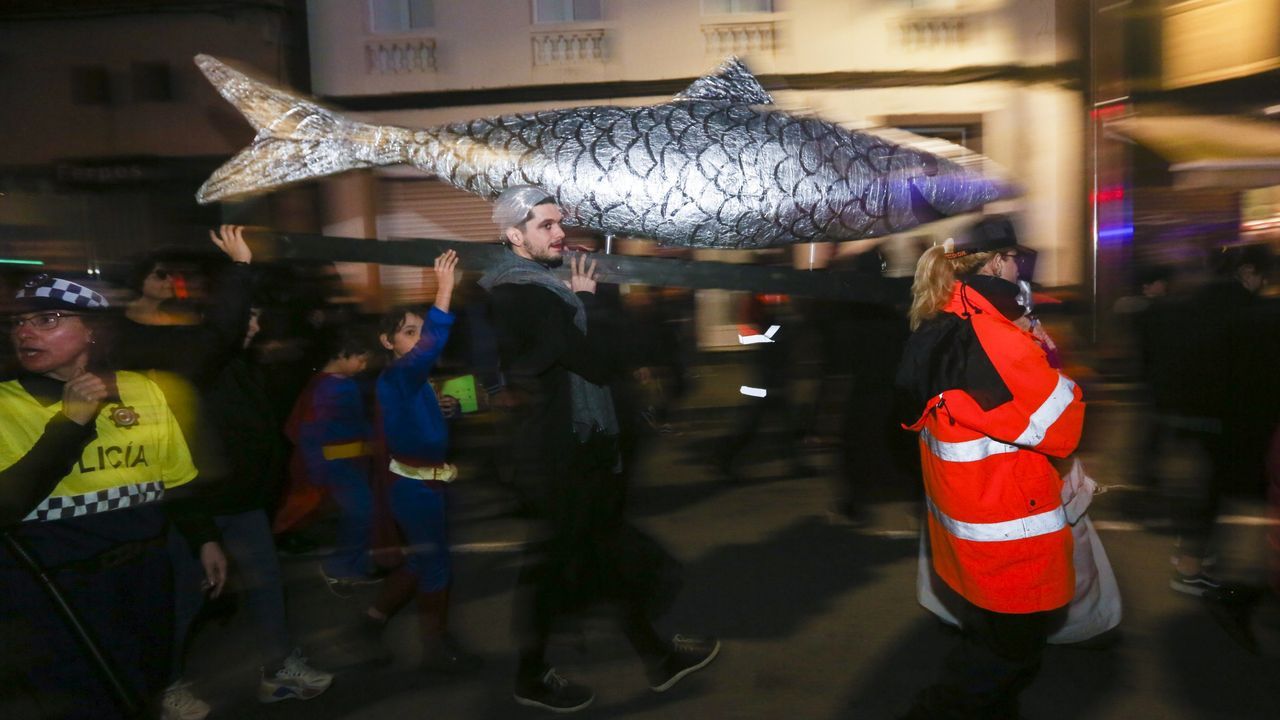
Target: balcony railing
{"type": "Point", "coordinates": [568, 47]}
{"type": "Point", "coordinates": [399, 56]}
{"type": "Point", "coordinates": [951, 25]}
{"type": "Point", "coordinates": [927, 31]}
{"type": "Point", "coordinates": [743, 38]}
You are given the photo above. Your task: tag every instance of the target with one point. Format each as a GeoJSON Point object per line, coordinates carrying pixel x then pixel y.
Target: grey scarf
{"type": "Point", "coordinates": [592, 404]}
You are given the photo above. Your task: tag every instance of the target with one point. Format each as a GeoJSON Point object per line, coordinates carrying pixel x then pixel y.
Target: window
{"type": "Point", "coordinates": [151, 81]}
{"type": "Point", "coordinates": [559, 11]}
{"type": "Point", "coordinates": [394, 16]}
{"type": "Point", "coordinates": [90, 85]}
{"type": "Point", "coordinates": [964, 130]}
{"type": "Point", "coordinates": [966, 136]}
{"type": "Point", "coordinates": [731, 7]}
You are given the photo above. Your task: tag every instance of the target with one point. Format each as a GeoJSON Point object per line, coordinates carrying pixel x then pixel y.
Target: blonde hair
{"type": "Point", "coordinates": [935, 276]}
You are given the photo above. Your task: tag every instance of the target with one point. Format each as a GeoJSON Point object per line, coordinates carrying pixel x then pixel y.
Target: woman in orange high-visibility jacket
{"type": "Point", "coordinates": [990, 410]}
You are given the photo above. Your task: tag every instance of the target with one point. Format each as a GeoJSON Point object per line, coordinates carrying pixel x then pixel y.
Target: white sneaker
{"type": "Point", "coordinates": [295, 681]}
{"type": "Point", "coordinates": [179, 704]}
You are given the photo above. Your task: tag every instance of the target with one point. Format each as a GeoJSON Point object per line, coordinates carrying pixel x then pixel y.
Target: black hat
{"type": "Point", "coordinates": [991, 233]}
{"type": "Point", "coordinates": [45, 292]}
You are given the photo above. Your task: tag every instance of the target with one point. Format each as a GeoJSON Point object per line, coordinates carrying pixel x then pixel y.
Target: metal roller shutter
{"type": "Point", "coordinates": [423, 208]}
{"type": "Point", "coordinates": [416, 208]}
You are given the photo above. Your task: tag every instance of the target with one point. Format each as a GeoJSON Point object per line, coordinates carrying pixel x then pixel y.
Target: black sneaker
{"type": "Point", "coordinates": [1198, 584]}
{"type": "Point", "coordinates": [689, 653]}
{"type": "Point", "coordinates": [553, 692]}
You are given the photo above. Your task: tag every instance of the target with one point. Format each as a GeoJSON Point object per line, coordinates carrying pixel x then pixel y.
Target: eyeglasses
{"type": "Point", "coordinates": [40, 321]}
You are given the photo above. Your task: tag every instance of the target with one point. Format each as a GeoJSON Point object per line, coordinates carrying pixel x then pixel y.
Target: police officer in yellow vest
{"type": "Point", "coordinates": [85, 457]}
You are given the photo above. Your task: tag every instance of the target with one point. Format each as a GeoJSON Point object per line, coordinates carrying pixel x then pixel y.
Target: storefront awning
{"type": "Point", "coordinates": [1210, 151]}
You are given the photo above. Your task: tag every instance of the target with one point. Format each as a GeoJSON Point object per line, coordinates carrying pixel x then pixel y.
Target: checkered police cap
{"type": "Point", "coordinates": [45, 292]}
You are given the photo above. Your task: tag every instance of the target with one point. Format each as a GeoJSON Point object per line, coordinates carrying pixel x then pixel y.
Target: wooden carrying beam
{"type": "Point", "coordinates": [662, 272]}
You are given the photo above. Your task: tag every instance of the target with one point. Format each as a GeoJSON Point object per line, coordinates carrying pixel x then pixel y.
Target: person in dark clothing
{"type": "Point", "coordinates": [246, 425]}
{"type": "Point", "coordinates": [772, 369]}
{"type": "Point", "coordinates": [199, 359]}
{"type": "Point", "coordinates": [564, 444]}
{"type": "Point", "coordinates": [877, 455]}
{"type": "Point", "coordinates": [655, 357]}
{"type": "Point", "coordinates": [1134, 313]}
{"type": "Point", "coordinates": [159, 330]}
{"type": "Point", "coordinates": [1215, 399]}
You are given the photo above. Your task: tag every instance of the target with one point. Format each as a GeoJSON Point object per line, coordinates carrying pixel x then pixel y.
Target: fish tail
{"type": "Point", "coordinates": [297, 138]}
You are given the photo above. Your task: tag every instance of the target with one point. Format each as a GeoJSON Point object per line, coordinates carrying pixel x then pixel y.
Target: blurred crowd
{"type": "Point", "coordinates": [291, 404]}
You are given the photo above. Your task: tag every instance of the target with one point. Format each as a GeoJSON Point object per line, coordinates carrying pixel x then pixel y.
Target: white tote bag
{"type": "Point", "coordinates": [1095, 607]}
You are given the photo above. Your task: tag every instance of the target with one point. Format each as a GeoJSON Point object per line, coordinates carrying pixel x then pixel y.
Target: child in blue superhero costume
{"type": "Point", "coordinates": [416, 435]}
{"type": "Point", "coordinates": [331, 438]}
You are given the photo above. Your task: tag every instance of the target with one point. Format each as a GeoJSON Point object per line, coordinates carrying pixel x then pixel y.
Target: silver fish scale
{"type": "Point", "coordinates": [716, 167]}
{"type": "Point", "coordinates": [696, 173]}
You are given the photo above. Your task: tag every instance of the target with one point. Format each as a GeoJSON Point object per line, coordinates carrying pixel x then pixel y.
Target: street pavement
{"type": "Point", "coordinates": [818, 618]}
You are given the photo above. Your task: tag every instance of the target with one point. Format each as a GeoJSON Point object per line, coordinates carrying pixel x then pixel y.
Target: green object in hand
{"type": "Point", "coordinates": [462, 387]}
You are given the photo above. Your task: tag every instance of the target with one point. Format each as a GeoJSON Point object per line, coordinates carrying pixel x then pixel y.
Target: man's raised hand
{"type": "Point", "coordinates": [230, 240]}
{"type": "Point", "coordinates": [582, 277]}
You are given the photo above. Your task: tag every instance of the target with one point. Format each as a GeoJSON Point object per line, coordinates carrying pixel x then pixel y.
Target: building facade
{"type": "Point", "coordinates": [1184, 141]}
{"type": "Point", "coordinates": [110, 127]}
{"type": "Point", "coordinates": [1000, 76]}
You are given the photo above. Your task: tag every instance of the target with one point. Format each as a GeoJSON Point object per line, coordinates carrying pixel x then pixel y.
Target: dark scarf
{"type": "Point", "coordinates": [1002, 294]}
{"type": "Point", "coordinates": [592, 404]}
{"type": "Point", "coordinates": [944, 354]}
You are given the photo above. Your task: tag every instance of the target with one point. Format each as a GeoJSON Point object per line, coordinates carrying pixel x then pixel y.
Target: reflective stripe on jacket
{"type": "Point", "coordinates": [998, 531]}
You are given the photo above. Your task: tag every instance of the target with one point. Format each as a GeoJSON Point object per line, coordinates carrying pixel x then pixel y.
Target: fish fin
{"type": "Point", "coordinates": [731, 82]}
{"type": "Point", "coordinates": [297, 138]}
{"type": "Point", "coordinates": [266, 164]}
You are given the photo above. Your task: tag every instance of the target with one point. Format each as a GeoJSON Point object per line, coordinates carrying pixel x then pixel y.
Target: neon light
{"type": "Point", "coordinates": [14, 261]}
{"type": "Point", "coordinates": [1111, 194]}
{"type": "Point", "coordinates": [1119, 233]}
{"type": "Point", "coordinates": [1109, 111]}
{"type": "Point", "coordinates": [753, 392]}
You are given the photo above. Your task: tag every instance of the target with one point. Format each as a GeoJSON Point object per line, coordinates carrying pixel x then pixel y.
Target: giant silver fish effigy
{"type": "Point", "coordinates": [715, 167]}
